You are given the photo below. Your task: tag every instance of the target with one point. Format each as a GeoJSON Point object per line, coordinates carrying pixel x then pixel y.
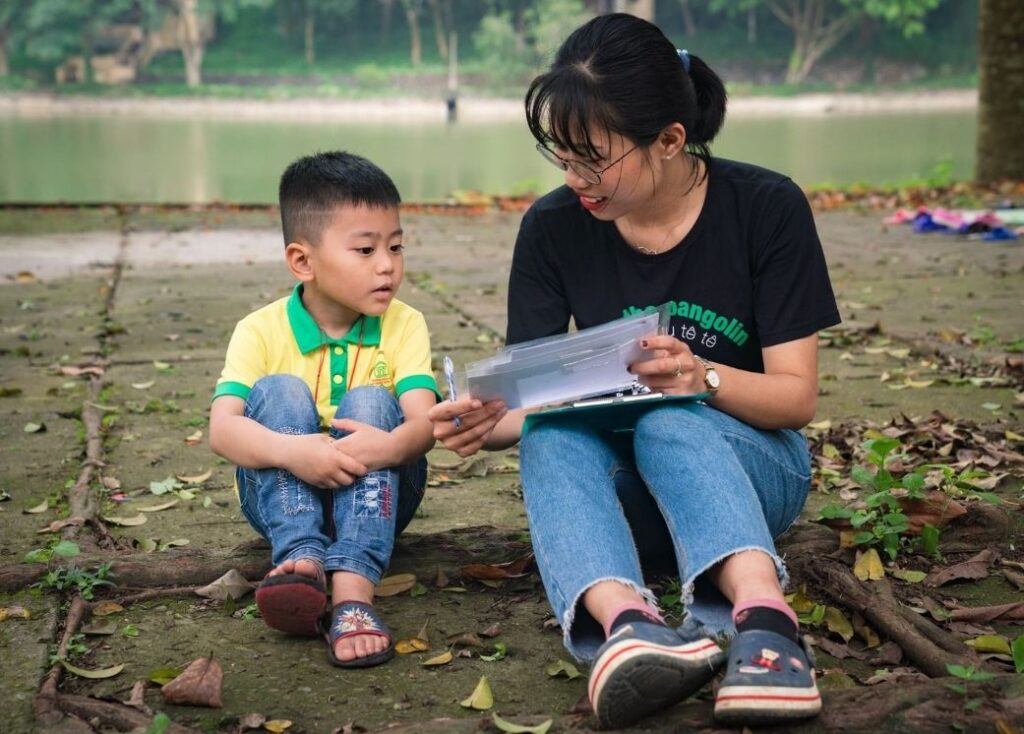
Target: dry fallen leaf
{"type": "Point", "coordinates": [868, 566]}
{"type": "Point", "coordinates": [973, 568]}
{"type": "Point", "coordinates": [162, 506]}
{"type": "Point", "coordinates": [41, 507]}
{"type": "Point", "coordinates": [196, 479]}
{"type": "Point", "coordinates": [194, 438]}
{"type": "Point", "coordinates": [442, 659]}
{"type": "Point", "coordinates": [198, 685]}
{"type": "Point", "coordinates": [276, 726]}
{"type": "Point", "coordinates": [466, 639]}
{"type": "Point", "coordinates": [392, 585]}
{"type": "Point", "coordinates": [92, 674]}
{"type": "Point", "coordinates": [126, 521]}
{"type": "Point", "coordinates": [481, 698]}
{"type": "Point", "coordinates": [232, 584]}
{"type": "Point", "coordinates": [15, 612]}
{"type": "Point", "coordinates": [493, 631]}
{"type": "Point", "coordinates": [440, 579]}
{"type": "Point", "coordinates": [106, 608]}
{"type": "Point", "coordinates": [510, 570]}
{"type": "Point", "coordinates": [411, 645]}
{"type": "Point", "coordinates": [251, 721]}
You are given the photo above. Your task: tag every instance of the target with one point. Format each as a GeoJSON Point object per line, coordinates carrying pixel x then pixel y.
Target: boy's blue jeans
{"type": "Point", "coordinates": [687, 488]}
{"type": "Point", "coordinates": [349, 528]}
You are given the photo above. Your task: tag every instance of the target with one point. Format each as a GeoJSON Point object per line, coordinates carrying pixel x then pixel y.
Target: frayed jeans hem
{"type": "Point", "coordinates": [587, 655]}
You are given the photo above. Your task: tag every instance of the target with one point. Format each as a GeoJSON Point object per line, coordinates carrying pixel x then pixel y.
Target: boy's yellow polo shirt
{"type": "Point", "coordinates": [391, 351]}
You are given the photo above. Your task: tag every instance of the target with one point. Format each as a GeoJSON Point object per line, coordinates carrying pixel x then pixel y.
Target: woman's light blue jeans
{"type": "Point", "coordinates": [349, 528]}
{"type": "Point", "coordinates": [688, 487]}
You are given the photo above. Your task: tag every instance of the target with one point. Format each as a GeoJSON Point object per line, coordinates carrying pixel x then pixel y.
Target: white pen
{"type": "Point", "coordinates": [449, 376]}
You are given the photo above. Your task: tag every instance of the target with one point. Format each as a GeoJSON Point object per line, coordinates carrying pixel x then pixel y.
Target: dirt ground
{"type": "Point", "coordinates": [152, 297]}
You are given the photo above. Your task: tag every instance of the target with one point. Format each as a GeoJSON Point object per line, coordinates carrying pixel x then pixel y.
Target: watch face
{"type": "Point", "coordinates": [712, 379]}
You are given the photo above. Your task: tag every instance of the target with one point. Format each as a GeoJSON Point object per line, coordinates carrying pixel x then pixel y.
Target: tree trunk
{"type": "Point", "coordinates": [386, 8]}
{"type": "Point", "coordinates": [1000, 142]}
{"type": "Point", "coordinates": [415, 45]}
{"type": "Point", "coordinates": [310, 33]}
{"type": "Point", "coordinates": [4, 67]}
{"type": "Point", "coordinates": [191, 41]}
{"type": "Point", "coordinates": [752, 26]}
{"type": "Point", "coordinates": [439, 30]}
{"type": "Point", "coordinates": [816, 31]}
{"type": "Point", "coordinates": [688, 22]}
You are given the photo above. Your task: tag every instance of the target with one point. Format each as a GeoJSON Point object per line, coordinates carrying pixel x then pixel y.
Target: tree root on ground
{"type": "Point", "coordinates": [929, 648]}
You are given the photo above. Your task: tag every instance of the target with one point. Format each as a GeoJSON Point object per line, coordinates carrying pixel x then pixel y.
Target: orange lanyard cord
{"type": "Point", "coordinates": [323, 354]}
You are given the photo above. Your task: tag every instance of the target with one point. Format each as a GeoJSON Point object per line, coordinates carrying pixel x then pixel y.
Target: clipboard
{"type": "Point", "coordinates": [611, 413]}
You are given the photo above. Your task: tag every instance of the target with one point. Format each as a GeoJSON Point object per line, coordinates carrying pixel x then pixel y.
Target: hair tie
{"type": "Point", "coordinates": [684, 57]}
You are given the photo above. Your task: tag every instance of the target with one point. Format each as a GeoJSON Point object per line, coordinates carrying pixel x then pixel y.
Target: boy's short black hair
{"type": "Point", "coordinates": [315, 185]}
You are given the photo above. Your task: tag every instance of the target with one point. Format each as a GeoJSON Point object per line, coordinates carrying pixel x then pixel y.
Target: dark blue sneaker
{"type": "Point", "coordinates": [769, 680]}
{"type": "Point", "coordinates": [643, 668]}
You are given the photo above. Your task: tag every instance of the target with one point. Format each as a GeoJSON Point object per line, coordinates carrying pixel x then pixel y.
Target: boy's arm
{"type": "Point", "coordinates": [377, 449]}
{"type": "Point", "coordinates": [313, 458]}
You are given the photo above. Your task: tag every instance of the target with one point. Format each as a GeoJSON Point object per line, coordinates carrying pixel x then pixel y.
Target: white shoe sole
{"type": "Point", "coordinates": [635, 678]}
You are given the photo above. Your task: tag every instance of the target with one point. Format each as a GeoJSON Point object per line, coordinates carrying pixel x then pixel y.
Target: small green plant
{"type": "Point", "coordinates": [249, 612]}
{"type": "Point", "coordinates": [881, 523]}
{"type": "Point", "coordinates": [672, 600]}
{"type": "Point", "coordinates": [84, 581]}
{"type": "Point", "coordinates": [967, 674]}
{"type": "Point", "coordinates": [76, 647]}
{"type": "Point", "coordinates": [64, 549]}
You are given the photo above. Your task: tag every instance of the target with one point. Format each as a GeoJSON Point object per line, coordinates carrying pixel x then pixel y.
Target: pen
{"type": "Point", "coordinates": [449, 376]}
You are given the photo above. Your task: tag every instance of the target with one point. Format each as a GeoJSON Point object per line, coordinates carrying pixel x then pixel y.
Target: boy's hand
{"type": "Point", "coordinates": [316, 459]}
{"type": "Point", "coordinates": [366, 444]}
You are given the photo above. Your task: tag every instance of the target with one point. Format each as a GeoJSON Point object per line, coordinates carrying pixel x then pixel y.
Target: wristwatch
{"type": "Point", "coordinates": [711, 379]}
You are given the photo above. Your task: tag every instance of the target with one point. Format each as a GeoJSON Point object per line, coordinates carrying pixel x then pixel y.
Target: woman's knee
{"type": "Point", "coordinates": [679, 426]}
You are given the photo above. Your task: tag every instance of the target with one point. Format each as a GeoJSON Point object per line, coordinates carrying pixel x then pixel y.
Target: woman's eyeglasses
{"type": "Point", "coordinates": [580, 168]}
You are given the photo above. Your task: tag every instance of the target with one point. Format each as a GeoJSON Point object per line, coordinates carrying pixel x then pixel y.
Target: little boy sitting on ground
{"type": "Point", "coordinates": [341, 352]}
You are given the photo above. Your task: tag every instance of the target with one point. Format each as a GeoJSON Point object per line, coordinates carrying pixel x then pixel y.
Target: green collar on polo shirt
{"type": "Point", "coordinates": [309, 335]}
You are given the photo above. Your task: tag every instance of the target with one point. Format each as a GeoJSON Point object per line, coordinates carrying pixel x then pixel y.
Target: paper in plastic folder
{"type": "Point", "coordinates": [559, 369]}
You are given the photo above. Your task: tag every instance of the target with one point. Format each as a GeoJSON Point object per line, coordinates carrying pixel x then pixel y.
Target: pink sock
{"type": "Point", "coordinates": [631, 606]}
{"type": "Point", "coordinates": [779, 606]}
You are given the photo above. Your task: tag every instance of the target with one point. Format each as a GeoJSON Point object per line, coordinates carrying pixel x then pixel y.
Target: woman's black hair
{"type": "Point", "coordinates": [620, 73]}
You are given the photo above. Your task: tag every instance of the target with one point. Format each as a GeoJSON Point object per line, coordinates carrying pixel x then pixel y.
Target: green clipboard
{"type": "Point", "coordinates": [616, 413]}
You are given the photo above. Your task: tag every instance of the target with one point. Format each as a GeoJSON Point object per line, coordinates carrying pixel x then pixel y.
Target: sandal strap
{"type": "Point", "coordinates": [351, 618]}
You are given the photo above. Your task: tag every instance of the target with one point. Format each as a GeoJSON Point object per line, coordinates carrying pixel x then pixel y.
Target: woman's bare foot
{"type": "Point", "coordinates": [348, 586]}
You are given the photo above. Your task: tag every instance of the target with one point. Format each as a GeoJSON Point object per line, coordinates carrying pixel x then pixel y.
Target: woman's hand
{"type": "Point", "coordinates": [672, 370]}
{"type": "Point", "coordinates": [464, 425]}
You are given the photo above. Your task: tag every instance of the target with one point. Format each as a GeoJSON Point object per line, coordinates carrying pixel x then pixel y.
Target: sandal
{"type": "Point", "coordinates": [349, 619]}
{"type": "Point", "coordinates": [645, 667]}
{"type": "Point", "coordinates": [292, 603]}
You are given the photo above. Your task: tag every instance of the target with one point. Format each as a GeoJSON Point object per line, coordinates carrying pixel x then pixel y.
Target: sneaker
{"type": "Point", "coordinates": [645, 667]}
{"type": "Point", "coordinates": [769, 680]}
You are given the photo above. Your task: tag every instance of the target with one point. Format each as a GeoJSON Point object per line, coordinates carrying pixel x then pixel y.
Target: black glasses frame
{"type": "Point", "coordinates": [580, 168]}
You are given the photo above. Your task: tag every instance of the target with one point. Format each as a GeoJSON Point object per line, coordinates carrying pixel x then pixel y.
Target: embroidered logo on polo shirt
{"type": "Point", "coordinates": [380, 375]}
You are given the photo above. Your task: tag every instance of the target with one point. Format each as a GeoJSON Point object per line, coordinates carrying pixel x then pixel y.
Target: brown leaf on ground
{"type": "Point", "coordinates": [974, 568]}
{"type": "Point", "coordinates": [510, 570]}
{"type": "Point", "coordinates": [493, 631]}
{"type": "Point", "coordinates": [838, 650]}
{"type": "Point", "coordinates": [1015, 578]}
{"type": "Point", "coordinates": [466, 639]}
{"type": "Point", "coordinates": [199, 684]}
{"type": "Point", "coordinates": [935, 508]}
{"type": "Point", "coordinates": [137, 699]}
{"type": "Point", "coordinates": [1005, 612]}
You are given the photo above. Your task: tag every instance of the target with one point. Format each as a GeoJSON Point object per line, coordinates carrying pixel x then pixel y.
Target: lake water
{"type": "Point", "coordinates": [148, 160]}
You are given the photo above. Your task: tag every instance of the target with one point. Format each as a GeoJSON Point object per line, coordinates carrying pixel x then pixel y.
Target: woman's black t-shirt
{"type": "Point", "coordinates": [749, 274]}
